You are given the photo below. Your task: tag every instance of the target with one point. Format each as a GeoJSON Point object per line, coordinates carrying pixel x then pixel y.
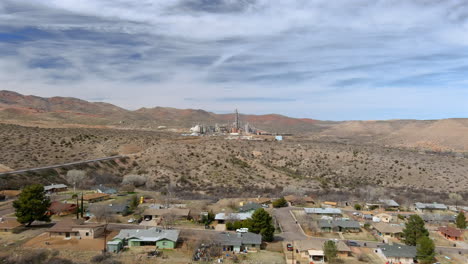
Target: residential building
{"type": "Point", "coordinates": [389, 204]}
{"type": "Point", "coordinates": [9, 225]}
{"type": "Point", "coordinates": [59, 208]}
{"type": "Point", "coordinates": [103, 189]}
{"type": "Point", "coordinates": [451, 233]}
{"type": "Point", "coordinates": [313, 249]}
{"type": "Point", "coordinates": [261, 200]}
{"type": "Point", "coordinates": [179, 213]}
{"type": "Point", "coordinates": [329, 204]}
{"type": "Point", "coordinates": [95, 197]}
{"type": "Point", "coordinates": [113, 208]}
{"type": "Point", "coordinates": [339, 226]}
{"type": "Point", "coordinates": [9, 194]}
{"type": "Point", "coordinates": [438, 218]}
{"type": "Point", "coordinates": [323, 211]}
{"type": "Point", "coordinates": [430, 207]}
{"type": "Point", "coordinates": [383, 217]}
{"type": "Point", "coordinates": [159, 238]}
{"type": "Point", "coordinates": [386, 230]}
{"type": "Point", "coordinates": [55, 188]}
{"type": "Point", "coordinates": [76, 228]}
{"type": "Point", "coordinates": [238, 242]}
{"type": "Point", "coordinates": [223, 217]}
{"type": "Point", "coordinates": [397, 253]}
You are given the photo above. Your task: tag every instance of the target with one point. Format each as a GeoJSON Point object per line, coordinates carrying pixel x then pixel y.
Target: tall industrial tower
{"type": "Point", "coordinates": [237, 121]}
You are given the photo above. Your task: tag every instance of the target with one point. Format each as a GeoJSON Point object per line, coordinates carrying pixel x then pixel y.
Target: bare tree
{"type": "Point", "coordinates": [101, 212]}
{"type": "Point", "coordinates": [134, 179]}
{"type": "Point", "coordinates": [76, 177]}
{"type": "Point", "coordinates": [168, 219]}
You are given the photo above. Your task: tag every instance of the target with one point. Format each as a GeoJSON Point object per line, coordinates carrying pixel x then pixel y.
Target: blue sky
{"type": "Point", "coordinates": [329, 60]}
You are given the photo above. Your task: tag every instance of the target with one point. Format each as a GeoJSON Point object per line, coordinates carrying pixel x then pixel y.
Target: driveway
{"type": "Point", "coordinates": [291, 230]}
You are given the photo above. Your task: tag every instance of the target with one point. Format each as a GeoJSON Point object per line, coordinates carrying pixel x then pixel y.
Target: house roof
{"type": "Point", "coordinates": [389, 202]}
{"type": "Point", "coordinates": [9, 223]}
{"type": "Point", "coordinates": [233, 216]}
{"type": "Point", "coordinates": [387, 228]}
{"type": "Point", "coordinates": [398, 250]}
{"type": "Point", "coordinates": [57, 207]}
{"type": "Point", "coordinates": [249, 207]}
{"type": "Point", "coordinates": [322, 210]}
{"type": "Point", "coordinates": [151, 234]}
{"type": "Point", "coordinates": [54, 186]}
{"type": "Point", "coordinates": [113, 208]}
{"type": "Point", "coordinates": [291, 198]}
{"type": "Point", "coordinates": [313, 244]}
{"type": "Point", "coordinates": [338, 223]}
{"type": "Point", "coordinates": [433, 206]}
{"type": "Point", "coordinates": [174, 211]}
{"type": "Point", "coordinates": [260, 200]}
{"type": "Point", "coordinates": [94, 196]}
{"type": "Point", "coordinates": [383, 215]}
{"type": "Point", "coordinates": [438, 217]}
{"type": "Point", "coordinates": [330, 203]}
{"type": "Point", "coordinates": [238, 239]}
{"type": "Point", "coordinates": [10, 193]}
{"type": "Point", "coordinates": [450, 231]}
{"type": "Point", "coordinates": [69, 224]}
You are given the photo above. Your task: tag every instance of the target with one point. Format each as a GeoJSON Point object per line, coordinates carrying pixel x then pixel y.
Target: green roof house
{"type": "Point", "coordinates": [160, 238]}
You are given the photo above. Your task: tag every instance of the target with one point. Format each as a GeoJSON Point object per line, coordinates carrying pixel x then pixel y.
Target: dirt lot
{"type": "Point", "coordinates": [71, 244]}
{"type": "Point", "coordinates": [363, 235]}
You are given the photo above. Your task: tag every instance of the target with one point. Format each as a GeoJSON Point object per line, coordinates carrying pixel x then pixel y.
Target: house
{"type": "Point", "coordinates": [292, 199]}
{"type": "Point", "coordinates": [250, 206]}
{"type": "Point", "coordinates": [9, 225]}
{"type": "Point", "coordinates": [397, 253]}
{"type": "Point", "coordinates": [9, 194]}
{"type": "Point", "coordinates": [339, 226]}
{"type": "Point", "coordinates": [53, 188]}
{"type": "Point", "coordinates": [323, 211]}
{"type": "Point", "coordinates": [429, 207]}
{"type": "Point", "coordinates": [451, 233]}
{"type": "Point", "coordinates": [155, 237]}
{"type": "Point", "coordinates": [76, 228]}
{"type": "Point", "coordinates": [389, 204]}
{"type": "Point", "coordinates": [329, 204]}
{"type": "Point", "coordinates": [59, 208]}
{"type": "Point", "coordinates": [104, 189]}
{"type": "Point", "coordinates": [261, 200]}
{"type": "Point", "coordinates": [223, 217]}
{"type": "Point", "coordinates": [386, 230]}
{"type": "Point", "coordinates": [438, 218]}
{"type": "Point", "coordinates": [121, 208]}
{"type": "Point", "coordinates": [179, 213]}
{"type": "Point", "coordinates": [313, 249]}
{"type": "Point", "coordinates": [95, 197]}
{"type": "Point", "coordinates": [383, 217]}
{"type": "Point", "coordinates": [238, 242]}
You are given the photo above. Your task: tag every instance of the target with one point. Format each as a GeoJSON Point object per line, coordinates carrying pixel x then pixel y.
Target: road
{"type": "Point", "coordinates": [292, 231]}
{"type": "Point", "coordinates": [61, 165]}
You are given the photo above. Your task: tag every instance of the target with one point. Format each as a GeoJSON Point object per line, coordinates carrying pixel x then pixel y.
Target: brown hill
{"type": "Point", "coordinates": [17, 108]}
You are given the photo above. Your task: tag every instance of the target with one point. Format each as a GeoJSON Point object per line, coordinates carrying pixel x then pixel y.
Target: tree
{"type": "Point", "coordinates": [330, 251]}
{"type": "Point", "coordinates": [134, 202]}
{"type": "Point", "coordinates": [32, 205]}
{"type": "Point", "coordinates": [357, 207]}
{"type": "Point", "coordinates": [76, 177]}
{"type": "Point", "coordinates": [461, 220]}
{"type": "Point", "coordinates": [262, 224]}
{"type": "Point", "coordinates": [414, 230]}
{"type": "Point", "coordinates": [281, 202]}
{"type": "Point", "coordinates": [425, 249]}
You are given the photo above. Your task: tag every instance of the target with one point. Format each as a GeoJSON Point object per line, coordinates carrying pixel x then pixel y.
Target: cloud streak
{"type": "Point", "coordinates": [335, 60]}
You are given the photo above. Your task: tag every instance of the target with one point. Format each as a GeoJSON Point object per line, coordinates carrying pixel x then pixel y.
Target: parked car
{"type": "Point", "coordinates": [242, 230]}
{"type": "Point", "coordinates": [289, 247]}
{"type": "Point", "coordinates": [353, 244]}
{"type": "Point", "coordinates": [131, 220]}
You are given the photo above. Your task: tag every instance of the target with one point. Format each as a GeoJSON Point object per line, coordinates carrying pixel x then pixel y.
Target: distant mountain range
{"type": "Point", "coordinates": [438, 135]}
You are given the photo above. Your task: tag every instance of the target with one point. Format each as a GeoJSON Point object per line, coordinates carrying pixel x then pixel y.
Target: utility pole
{"type": "Point", "coordinates": [82, 208]}
{"type": "Point", "coordinates": [292, 252]}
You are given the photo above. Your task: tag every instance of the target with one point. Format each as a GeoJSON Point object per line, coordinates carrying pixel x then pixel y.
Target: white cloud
{"type": "Point", "coordinates": [147, 53]}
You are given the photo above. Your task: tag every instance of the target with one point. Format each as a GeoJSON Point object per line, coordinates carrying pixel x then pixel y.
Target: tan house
{"type": "Point", "coordinates": [9, 225]}
{"type": "Point", "coordinates": [180, 213]}
{"type": "Point", "coordinates": [330, 204]}
{"type": "Point", "coordinates": [10, 194]}
{"type": "Point", "coordinates": [386, 230]}
{"type": "Point", "coordinates": [312, 250]}
{"type": "Point", "coordinates": [76, 228]}
{"type": "Point", "coordinates": [384, 217]}
{"type": "Point", "coordinates": [95, 197]}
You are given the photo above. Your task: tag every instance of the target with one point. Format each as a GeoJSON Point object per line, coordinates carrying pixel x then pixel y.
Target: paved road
{"type": "Point", "coordinates": [7, 208]}
{"type": "Point", "coordinates": [291, 230]}
{"type": "Point", "coordinates": [61, 165]}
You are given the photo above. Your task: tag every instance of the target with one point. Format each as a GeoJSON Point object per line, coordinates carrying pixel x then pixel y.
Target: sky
{"type": "Point", "coordinates": [321, 59]}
